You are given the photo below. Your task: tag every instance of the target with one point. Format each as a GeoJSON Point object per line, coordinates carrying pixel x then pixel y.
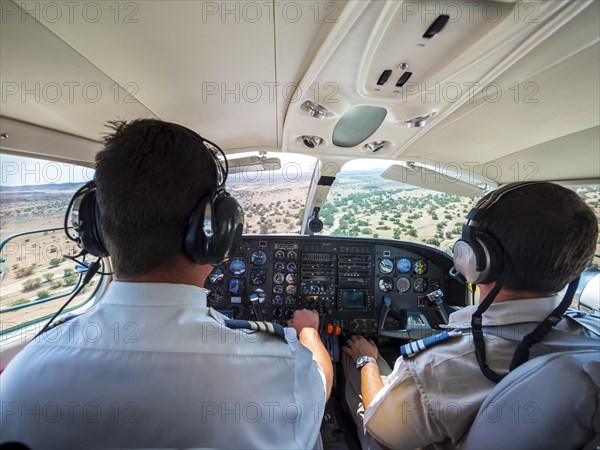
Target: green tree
{"type": "Point", "coordinates": [56, 261]}
{"type": "Point", "coordinates": [48, 277]}
{"type": "Point", "coordinates": [43, 294]}
{"type": "Point", "coordinates": [32, 284]}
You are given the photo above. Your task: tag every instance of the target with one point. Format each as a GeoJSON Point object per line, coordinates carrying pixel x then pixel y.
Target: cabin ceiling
{"type": "Point", "coordinates": [508, 82]}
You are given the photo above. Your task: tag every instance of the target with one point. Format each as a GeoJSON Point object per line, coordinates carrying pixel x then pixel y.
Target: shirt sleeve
{"type": "Point", "coordinates": [397, 417]}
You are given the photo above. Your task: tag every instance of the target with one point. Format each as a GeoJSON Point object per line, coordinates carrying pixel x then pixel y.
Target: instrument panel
{"type": "Point", "coordinates": [344, 279]}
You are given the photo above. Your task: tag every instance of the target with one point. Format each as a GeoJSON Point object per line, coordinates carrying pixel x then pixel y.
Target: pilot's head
{"type": "Point", "coordinates": [150, 175]}
{"type": "Point", "coordinates": [548, 233]}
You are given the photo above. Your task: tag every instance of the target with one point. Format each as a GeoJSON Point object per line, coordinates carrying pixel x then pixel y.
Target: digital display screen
{"type": "Point", "coordinates": [355, 280]}
{"type": "Point", "coordinates": [354, 300]}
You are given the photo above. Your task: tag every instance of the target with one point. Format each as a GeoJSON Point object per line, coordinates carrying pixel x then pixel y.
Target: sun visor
{"type": "Point", "coordinates": [253, 164]}
{"type": "Point", "coordinates": [430, 179]}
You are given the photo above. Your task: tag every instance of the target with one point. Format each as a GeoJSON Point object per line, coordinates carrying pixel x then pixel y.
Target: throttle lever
{"type": "Point", "coordinates": [436, 301]}
{"type": "Point", "coordinates": [255, 302]}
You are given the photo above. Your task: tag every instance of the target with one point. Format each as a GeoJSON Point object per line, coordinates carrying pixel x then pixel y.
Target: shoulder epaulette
{"type": "Point", "coordinates": [266, 327]}
{"type": "Point", "coordinates": [415, 347]}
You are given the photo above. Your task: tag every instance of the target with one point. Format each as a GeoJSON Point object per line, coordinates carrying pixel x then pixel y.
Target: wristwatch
{"type": "Point", "coordinates": [362, 360]}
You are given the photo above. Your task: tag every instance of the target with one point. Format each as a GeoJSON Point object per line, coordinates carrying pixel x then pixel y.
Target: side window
{"type": "Point", "coordinates": [36, 274]}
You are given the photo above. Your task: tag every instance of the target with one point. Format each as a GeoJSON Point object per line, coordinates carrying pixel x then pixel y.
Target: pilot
{"type": "Point", "coordinates": [533, 239]}
{"type": "Point", "coordinates": [150, 365]}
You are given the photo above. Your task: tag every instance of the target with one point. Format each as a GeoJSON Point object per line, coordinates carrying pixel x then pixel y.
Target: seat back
{"type": "Point", "coordinates": [552, 401]}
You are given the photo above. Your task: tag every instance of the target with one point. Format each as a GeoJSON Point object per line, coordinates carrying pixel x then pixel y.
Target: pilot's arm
{"type": "Point", "coordinates": [395, 414]}
{"type": "Point", "coordinates": [306, 324]}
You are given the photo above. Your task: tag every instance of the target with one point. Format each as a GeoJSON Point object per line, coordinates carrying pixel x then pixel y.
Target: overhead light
{"type": "Point", "coordinates": [316, 111]}
{"type": "Point", "coordinates": [375, 146]}
{"type": "Point", "coordinates": [3, 136]}
{"type": "Point", "coordinates": [418, 122]}
{"type": "Point", "coordinates": [312, 141]}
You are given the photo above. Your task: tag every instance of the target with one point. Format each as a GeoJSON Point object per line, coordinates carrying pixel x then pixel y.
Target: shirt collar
{"type": "Point", "coordinates": [509, 312]}
{"type": "Point", "coordinates": [154, 294]}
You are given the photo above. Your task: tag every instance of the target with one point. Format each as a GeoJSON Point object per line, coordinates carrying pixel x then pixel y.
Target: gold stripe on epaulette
{"type": "Point", "coordinates": [270, 327]}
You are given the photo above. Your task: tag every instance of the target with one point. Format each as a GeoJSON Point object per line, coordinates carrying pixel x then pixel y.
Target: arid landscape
{"type": "Point", "coordinates": [360, 204]}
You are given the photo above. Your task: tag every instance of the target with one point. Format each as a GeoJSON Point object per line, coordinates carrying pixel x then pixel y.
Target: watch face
{"type": "Point", "coordinates": [362, 360]}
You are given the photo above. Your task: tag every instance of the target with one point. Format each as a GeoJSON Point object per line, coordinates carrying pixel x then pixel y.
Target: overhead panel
{"type": "Point", "coordinates": [48, 83]}
{"type": "Point", "coordinates": [207, 65]}
{"type": "Point", "coordinates": [414, 41]}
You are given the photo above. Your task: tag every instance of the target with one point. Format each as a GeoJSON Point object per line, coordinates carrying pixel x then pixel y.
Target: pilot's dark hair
{"type": "Point", "coordinates": [548, 232]}
{"type": "Point", "coordinates": [149, 175]}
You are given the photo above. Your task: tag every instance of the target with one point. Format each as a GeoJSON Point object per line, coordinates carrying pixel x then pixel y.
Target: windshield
{"type": "Point", "coordinates": [273, 199]}
{"type": "Point", "coordinates": [363, 204]}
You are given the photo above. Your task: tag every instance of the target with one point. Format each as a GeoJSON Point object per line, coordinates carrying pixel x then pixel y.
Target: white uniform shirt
{"type": "Point", "coordinates": [434, 396]}
{"type": "Point", "coordinates": [152, 366]}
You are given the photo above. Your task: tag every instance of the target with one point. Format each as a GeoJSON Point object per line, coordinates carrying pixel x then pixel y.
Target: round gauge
{"type": "Point", "coordinates": [420, 285]}
{"type": "Point", "coordinates": [292, 255]}
{"type": "Point", "coordinates": [386, 266]}
{"type": "Point", "coordinates": [236, 286]}
{"type": "Point", "coordinates": [277, 300]}
{"type": "Point", "coordinates": [278, 289]}
{"type": "Point", "coordinates": [404, 265]}
{"type": "Point", "coordinates": [403, 285]}
{"type": "Point", "coordinates": [290, 278]}
{"type": "Point", "coordinates": [289, 300]}
{"type": "Point", "coordinates": [257, 294]}
{"type": "Point", "coordinates": [279, 255]}
{"type": "Point", "coordinates": [420, 267]}
{"type": "Point", "coordinates": [258, 277]}
{"type": "Point", "coordinates": [278, 278]}
{"type": "Point", "coordinates": [279, 266]}
{"type": "Point", "coordinates": [292, 267]}
{"type": "Point", "coordinates": [215, 296]}
{"type": "Point", "coordinates": [290, 290]}
{"type": "Point", "coordinates": [258, 258]}
{"type": "Point", "coordinates": [216, 276]}
{"type": "Point", "coordinates": [386, 284]}
{"type": "Point", "coordinates": [434, 285]}
{"type": "Point", "coordinates": [237, 267]}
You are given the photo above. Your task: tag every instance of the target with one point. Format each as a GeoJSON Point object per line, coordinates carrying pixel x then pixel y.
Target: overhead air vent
{"type": "Point", "coordinates": [403, 79]}
{"type": "Point", "coordinates": [384, 77]}
{"type": "Point", "coordinates": [436, 26]}
{"type": "Point", "coordinates": [357, 125]}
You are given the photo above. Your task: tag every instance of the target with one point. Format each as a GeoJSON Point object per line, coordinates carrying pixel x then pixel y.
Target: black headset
{"type": "Point", "coordinates": [478, 256]}
{"type": "Point", "coordinates": [214, 228]}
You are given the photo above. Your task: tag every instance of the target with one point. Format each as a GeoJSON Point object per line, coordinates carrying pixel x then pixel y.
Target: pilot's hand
{"type": "Point", "coordinates": [304, 318]}
{"type": "Point", "coordinates": [358, 346]}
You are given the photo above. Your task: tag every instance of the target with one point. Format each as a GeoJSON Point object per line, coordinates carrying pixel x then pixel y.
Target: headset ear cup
{"type": "Point", "coordinates": [229, 226]}
{"type": "Point", "coordinates": [196, 241]}
{"type": "Point", "coordinates": [85, 218]}
{"type": "Point", "coordinates": [494, 253]}
{"type": "Point", "coordinates": [465, 260]}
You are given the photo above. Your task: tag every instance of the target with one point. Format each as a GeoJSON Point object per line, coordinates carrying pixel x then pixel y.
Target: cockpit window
{"type": "Point", "coordinates": [36, 277]}
{"type": "Point", "coordinates": [274, 198]}
{"type": "Point", "coordinates": [590, 193]}
{"type": "Point", "coordinates": [363, 204]}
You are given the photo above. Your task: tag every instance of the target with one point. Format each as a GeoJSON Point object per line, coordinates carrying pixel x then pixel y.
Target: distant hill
{"type": "Point", "coordinates": [40, 187]}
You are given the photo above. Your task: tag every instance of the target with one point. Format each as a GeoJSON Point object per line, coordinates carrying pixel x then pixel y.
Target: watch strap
{"type": "Point", "coordinates": [362, 360]}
